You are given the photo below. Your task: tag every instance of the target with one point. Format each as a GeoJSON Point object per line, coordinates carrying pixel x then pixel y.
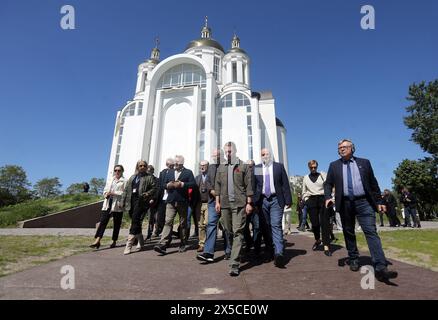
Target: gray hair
{"type": "Point", "coordinates": [180, 158]}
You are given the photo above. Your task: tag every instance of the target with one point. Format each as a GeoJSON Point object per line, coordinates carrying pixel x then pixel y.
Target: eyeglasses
{"type": "Point", "coordinates": [313, 167]}
{"type": "Point", "coordinates": [141, 165]}
{"type": "Point", "coordinates": [117, 170]}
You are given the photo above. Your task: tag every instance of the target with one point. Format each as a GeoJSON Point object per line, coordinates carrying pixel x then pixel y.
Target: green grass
{"type": "Point", "coordinates": [417, 247]}
{"type": "Point", "coordinates": [11, 215]}
{"type": "Point", "coordinates": [18, 253]}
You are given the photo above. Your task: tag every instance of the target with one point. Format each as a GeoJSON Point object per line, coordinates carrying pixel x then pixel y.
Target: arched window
{"type": "Point", "coordinates": [182, 75]}
{"type": "Point", "coordinates": [231, 100]}
{"type": "Point", "coordinates": [128, 112]}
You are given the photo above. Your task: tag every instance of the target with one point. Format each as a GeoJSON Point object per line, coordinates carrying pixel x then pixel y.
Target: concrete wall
{"type": "Point", "coordinates": [81, 217]}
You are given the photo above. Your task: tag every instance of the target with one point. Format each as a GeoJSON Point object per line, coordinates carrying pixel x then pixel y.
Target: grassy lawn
{"type": "Point", "coordinates": [11, 215]}
{"type": "Point", "coordinates": [417, 247]}
{"type": "Point", "coordinates": [18, 253]}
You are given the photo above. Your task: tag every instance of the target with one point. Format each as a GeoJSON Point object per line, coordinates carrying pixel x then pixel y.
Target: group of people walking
{"type": "Point", "coordinates": [234, 194]}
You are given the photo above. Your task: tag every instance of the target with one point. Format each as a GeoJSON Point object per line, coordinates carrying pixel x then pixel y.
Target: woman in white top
{"type": "Point", "coordinates": [313, 195]}
{"type": "Point", "coordinates": [112, 206]}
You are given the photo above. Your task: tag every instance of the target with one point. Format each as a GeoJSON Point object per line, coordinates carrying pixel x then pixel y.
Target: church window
{"type": "Point", "coordinates": [140, 109]}
{"type": "Point", "coordinates": [216, 68]}
{"type": "Point", "coordinates": [243, 72]}
{"type": "Point", "coordinates": [182, 75]}
{"type": "Point", "coordinates": [234, 72]}
{"type": "Point", "coordinates": [203, 99]}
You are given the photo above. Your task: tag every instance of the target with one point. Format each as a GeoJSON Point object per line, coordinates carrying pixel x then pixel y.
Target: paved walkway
{"type": "Point", "coordinates": [124, 232]}
{"type": "Point", "coordinates": [108, 274]}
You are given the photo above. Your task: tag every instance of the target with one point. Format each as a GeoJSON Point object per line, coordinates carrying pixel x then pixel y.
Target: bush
{"type": "Point", "coordinates": [11, 215]}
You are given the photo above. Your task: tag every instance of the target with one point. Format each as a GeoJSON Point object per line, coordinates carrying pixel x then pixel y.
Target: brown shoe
{"type": "Point", "coordinates": [200, 249]}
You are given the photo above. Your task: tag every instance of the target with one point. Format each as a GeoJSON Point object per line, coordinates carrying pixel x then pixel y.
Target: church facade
{"type": "Point", "coordinates": [192, 102]}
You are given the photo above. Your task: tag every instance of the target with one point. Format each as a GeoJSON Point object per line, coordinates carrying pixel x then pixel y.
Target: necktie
{"type": "Point", "coordinates": [349, 182]}
{"type": "Point", "coordinates": [267, 183]}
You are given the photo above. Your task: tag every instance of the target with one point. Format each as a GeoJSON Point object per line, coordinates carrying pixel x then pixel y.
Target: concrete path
{"type": "Point", "coordinates": [108, 274]}
{"type": "Point", "coordinates": [124, 232]}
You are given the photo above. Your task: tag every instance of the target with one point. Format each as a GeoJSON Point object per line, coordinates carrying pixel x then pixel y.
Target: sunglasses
{"type": "Point", "coordinates": [117, 170]}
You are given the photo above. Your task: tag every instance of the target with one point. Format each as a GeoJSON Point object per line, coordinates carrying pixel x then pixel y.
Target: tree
{"type": "Point", "coordinates": [48, 187]}
{"type": "Point", "coordinates": [296, 183]}
{"type": "Point", "coordinates": [97, 185]}
{"type": "Point", "coordinates": [13, 181]}
{"type": "Point", "coordinates": [421, 178]}
{"type": "Point", "coordinates": [6, 198]}
{"type": "Point", "coordinates": [423, 118]}
{"type": "Point", "coordinates": [75, 188]}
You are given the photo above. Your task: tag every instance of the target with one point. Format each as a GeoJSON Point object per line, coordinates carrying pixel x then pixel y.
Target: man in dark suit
{"type": "Point", "coordinates": [162, 196]}
{"type": "Point", "coordinates": [272, 194]}
{"type": "Point", "coordinates": [357, 195]}
{"type": "Point", "coordinates": [177, 182]}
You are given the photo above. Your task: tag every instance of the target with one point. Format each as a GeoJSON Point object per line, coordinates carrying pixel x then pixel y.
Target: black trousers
{"type": "Point", "coordinates": [161, 216]}
{"type": "Point", "coordinates": [319, 218]}
{"type": "Point", "coordinates": [392, 216]}
{"type": "Point", "coordinates": [104, 219]}
{"type": "Point", "coordinates": [152, 217]}
{"type": "Point", "coordinates": [137, 213]}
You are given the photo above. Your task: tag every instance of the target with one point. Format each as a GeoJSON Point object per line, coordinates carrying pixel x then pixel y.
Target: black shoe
{"type": "Point", "coordinates": [160, 249]}
{"type": "Point", "coordinates": [95, 245]}
{"type": "Point", "coordinates": [327, 253]}
{"type": "Point", "coordinates": [227, 256]}
{"type": "Point", "coordinates": [234, 271]}
{"type": "Point", "coordinates": [316, 245]}
{"type": "Point", "coordinates": [113, 245]}
{"type": "Point", "coordinates": [419, 226]}
{"type": "Point", "coordinates": [385, 274]}
{"type": "Point", "coordinates": [354, 265]}
{"type": "Point", "coordinates": [382, 225]}
{"type": "Point", "coordinates": [206, 257]}
{"type": "Point", "coordinates": [182, 249]}
{"type": "Point", "coordinates": [279, 261]}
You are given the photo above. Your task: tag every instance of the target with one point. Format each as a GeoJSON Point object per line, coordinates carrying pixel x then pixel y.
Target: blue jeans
{"type": "Point", "coordinates": [366, 217]}
{"type": "Point", "coordinates": [255, 239]}
{"type": "Point", "coordinates": [304, 217]}
{"type": "Point", "coordinates": [210, 241]}
{"type": "Point", "coordinates": [190, 213]}
{"type": "Point", "coordinates": [273, 214]}
{"type": "Point", "coordinates": [409, 212]}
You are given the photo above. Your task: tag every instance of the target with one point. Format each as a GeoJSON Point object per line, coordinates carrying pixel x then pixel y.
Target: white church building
{"type": "Point", "coordinates": [192, 102]}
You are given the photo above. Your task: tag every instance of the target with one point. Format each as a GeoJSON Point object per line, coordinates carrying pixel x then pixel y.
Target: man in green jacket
{"type": "Point", "coordinates": [233, 189]}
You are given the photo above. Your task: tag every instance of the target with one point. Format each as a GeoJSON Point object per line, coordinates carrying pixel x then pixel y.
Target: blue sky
{"type": "Point", "coordinates": [60, 89]}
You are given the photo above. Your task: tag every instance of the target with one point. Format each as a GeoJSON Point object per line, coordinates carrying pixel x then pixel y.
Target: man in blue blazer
{"type": "Point", "coordinates": [357, 195]}
{"type": "Point", "coordinates": [177, 182]}
{"type": "Point", "coordinates": [272, 194]}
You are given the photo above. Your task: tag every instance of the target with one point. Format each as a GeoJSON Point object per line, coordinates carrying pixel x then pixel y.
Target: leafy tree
{"type": "Point", "coordinates": [75, 188]}
{"type": "Point", "coordinates": [297, 184]}
{"type": "Point", "coordinates": [48, 187]}
{"type": "Point", "coordinates": [97, 185]}
{"type": "Point", "coordinates": [421, 177]}
{"type": "Point", "coordinates": [13, 181]}
{"type": "Point", "coordinates": [6, 198]}
{"type": "Point", "coordinates": [423, 116]}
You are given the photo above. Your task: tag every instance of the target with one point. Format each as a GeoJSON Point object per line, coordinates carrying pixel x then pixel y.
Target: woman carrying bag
{"type": "Point", "coordinates": [112, 206]}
